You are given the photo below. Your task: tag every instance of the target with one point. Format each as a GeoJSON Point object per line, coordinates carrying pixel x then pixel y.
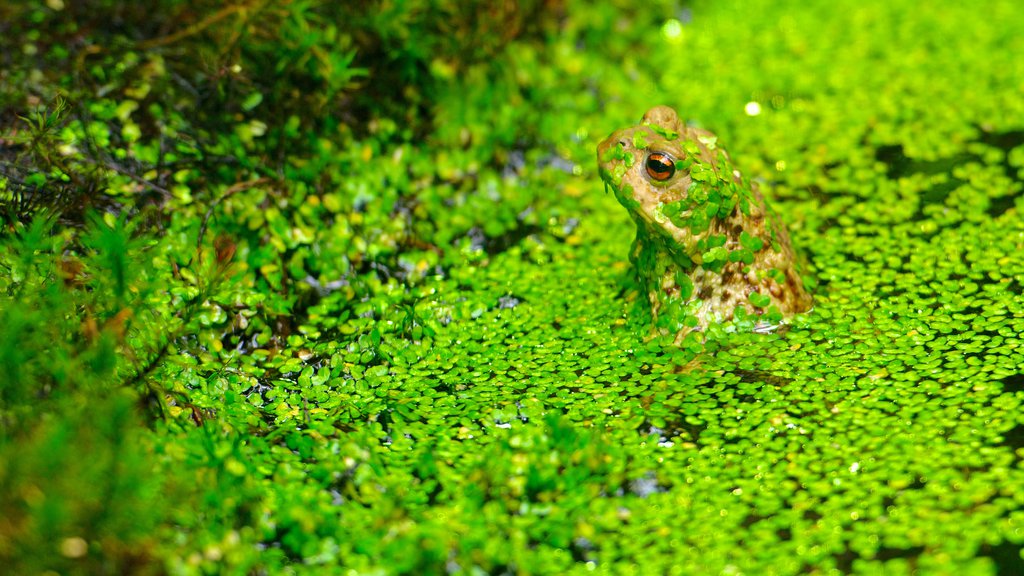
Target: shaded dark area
{"type": "Point", "coordinates": [900, 165]}
{"type": "Point", "coordinates": [1013, 384]}
{"type": "Point", "coordinates": [1007, 556]}
{"type": "Point", "coordinates": [1014, 438]}
{"type": "Point", "coordinates": [200, 71]}
{"type": "Point", "coordinates": [845, 561]}
{"type": "Point", "coordinates": [760, 376]}
{"type": "Point", "coordinates": [498, 244]}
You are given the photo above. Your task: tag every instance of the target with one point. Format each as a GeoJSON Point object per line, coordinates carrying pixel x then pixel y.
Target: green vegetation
{"type": "Point", "coordinates": [290, 286]}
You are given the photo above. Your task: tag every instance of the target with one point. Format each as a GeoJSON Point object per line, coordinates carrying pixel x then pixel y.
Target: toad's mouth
{"type": "Point", "coordinates": [676, 242]}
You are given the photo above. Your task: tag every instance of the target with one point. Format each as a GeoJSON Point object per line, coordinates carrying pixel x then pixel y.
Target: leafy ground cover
{"type": "Point", "coordinates": [292, 288]}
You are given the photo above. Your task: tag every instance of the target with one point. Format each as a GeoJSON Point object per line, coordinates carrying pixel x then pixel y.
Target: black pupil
{"type": "Point", "coordinates": [660, 166]}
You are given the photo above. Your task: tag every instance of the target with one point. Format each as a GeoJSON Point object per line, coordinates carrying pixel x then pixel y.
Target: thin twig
{"type": "Point", "coordinates": [193, 29]}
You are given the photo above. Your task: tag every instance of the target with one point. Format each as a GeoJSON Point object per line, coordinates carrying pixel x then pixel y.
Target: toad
{"type": "Point", "coordinates": [708, 249]}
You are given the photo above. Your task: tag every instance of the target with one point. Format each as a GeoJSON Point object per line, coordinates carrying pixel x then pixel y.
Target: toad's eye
{"type": "Point", "coordinates": [660, 166]}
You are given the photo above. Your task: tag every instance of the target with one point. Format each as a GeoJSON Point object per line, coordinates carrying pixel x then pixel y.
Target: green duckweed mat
{"type": "Point", "coordinates": [456, 380]}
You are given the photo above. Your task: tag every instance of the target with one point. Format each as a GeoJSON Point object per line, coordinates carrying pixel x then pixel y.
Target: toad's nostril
{"type": "Point", "coordinates": [624, 142]}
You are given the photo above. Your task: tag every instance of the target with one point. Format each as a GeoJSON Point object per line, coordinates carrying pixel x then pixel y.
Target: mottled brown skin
{"type": "Point", "coordinates": [672, 243]}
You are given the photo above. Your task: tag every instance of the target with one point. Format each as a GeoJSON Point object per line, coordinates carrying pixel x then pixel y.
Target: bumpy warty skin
{"type": "Point", "coordinates": [708, 249]}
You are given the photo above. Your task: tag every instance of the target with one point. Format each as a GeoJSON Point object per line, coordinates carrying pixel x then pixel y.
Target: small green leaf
{"type": "Point", "coordinates": [709, 141]}
{"type": "Point", "coordinates": [716, 254]}
{"type": "Point", "coordinates": [759, 300]}
{"type": "Point", "coordinates": [664, 132]}
{"type": "Point", "coordinates": [251, 101]}
{"type": "Point", "coordinates": [752, 243]}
